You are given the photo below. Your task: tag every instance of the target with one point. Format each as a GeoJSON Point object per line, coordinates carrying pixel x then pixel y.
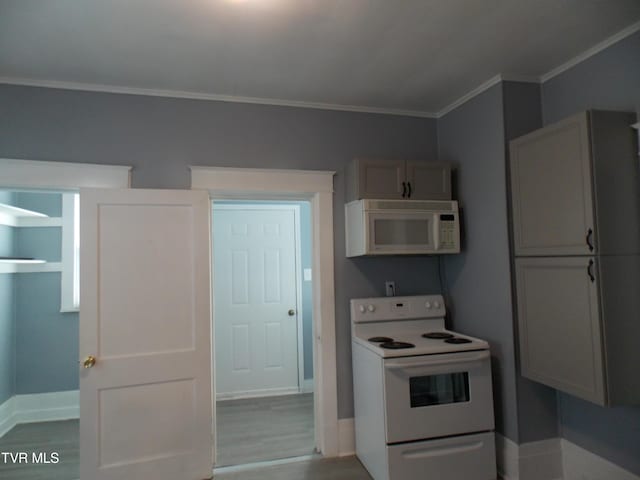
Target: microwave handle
{"type": "Point", "coordinates": [424, 362]}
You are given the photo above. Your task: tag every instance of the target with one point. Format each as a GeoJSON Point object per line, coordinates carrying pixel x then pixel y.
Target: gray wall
{"type": "Point", "coordinates": [46, 341]}
{"type": "Point", "coordinates": [608, 80]}
{"type": "Point", "coordinates": [7, 321]}
{"type": "Point", "coordinates": [478, 280]}
{"type": "Point", "coordinates": [160, 137]}
{"type": "Point", "coordinates": [537, 417]}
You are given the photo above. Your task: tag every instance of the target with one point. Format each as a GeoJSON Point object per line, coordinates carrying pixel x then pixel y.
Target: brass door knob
{"type": "Point", "coordinates": [89, 362]}
{"type": "Point", "coordinates": [292, 312]}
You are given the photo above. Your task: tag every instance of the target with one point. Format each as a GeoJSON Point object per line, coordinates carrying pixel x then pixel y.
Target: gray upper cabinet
{"type": "Point", "coordinates": [398, 179]}
{"type": "Point", "coordinates": [574, 187]}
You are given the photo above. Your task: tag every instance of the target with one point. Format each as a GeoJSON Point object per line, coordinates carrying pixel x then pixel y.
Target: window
{"type": "Point", "coordinates": [70, 292]}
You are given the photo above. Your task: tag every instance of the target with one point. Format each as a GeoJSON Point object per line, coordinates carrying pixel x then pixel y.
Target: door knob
{"type": "Point", "coordinates": [89, 362]}
{"type": "Point", "coordinates": [291, 312]}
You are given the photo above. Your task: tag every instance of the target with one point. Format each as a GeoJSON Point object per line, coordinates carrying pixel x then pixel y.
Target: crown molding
{"type": "Point", "coordinates": [503, 77]}
{"type": "Point", "coordinates": [621, 35]}
{"type": "Point", "coordinates": [91, 87]}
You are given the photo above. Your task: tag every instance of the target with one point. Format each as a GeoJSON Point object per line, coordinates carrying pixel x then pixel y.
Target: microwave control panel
{"type": "Point", "coordinates": [448, 231]}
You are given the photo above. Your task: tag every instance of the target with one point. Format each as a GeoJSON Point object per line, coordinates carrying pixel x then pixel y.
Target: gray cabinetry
{"type": "Point", "coordinates": [398, 179]}
{"type": "Point", "coordinates": [576, 227]}
{"type": "Point", "coordinates": [559, 324]}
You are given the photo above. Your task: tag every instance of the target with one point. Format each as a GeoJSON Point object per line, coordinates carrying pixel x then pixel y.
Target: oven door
{"type": "Point", "coordinates": [432, 396]}
{"type": "Point", "coordinates": [400, 232]}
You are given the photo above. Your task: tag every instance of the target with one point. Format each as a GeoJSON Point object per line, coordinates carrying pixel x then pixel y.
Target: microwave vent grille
{"type": "Point", "coordinates": [410, 205]}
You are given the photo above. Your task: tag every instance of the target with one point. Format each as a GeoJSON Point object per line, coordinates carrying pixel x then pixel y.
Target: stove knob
{"type": "Point", "coordinates": [436, 304]}
{"type": "Point", "coordinates": [362, 309]}
{"type": "Point", "coordinates": [371, 308]}
{"type": "Point", "coordinates": [428, 305]}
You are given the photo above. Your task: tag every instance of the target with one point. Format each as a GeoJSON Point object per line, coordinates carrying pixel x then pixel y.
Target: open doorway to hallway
{"type": "Point", "coordinates": [262, 331]}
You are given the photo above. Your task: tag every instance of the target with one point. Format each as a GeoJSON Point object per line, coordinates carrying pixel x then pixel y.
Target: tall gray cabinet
{"type": "Point", "coordinates": [575, 197]}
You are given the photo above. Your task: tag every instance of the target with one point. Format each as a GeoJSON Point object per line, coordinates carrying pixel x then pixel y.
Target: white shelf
{"type": "Point", "coordinates": [20, 217]}
{"type": "Point", "coordinates": [29, 266]}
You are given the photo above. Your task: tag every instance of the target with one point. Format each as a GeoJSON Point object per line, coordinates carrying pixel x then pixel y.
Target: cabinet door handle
{"type": "Point", "coordinates": [409, 183]}
{"type": "Point", "coordinates": [404, 189]}
{"type": "Point", "coordinates": [590, 239]}
{"type": "Point", "coordinates": [590, 271]}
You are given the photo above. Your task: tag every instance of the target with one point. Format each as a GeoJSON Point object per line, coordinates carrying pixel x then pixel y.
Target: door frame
{"type": "Point", "coordinates": [298, 262]}
{"type": "Point", "coordinates": [224, 183]}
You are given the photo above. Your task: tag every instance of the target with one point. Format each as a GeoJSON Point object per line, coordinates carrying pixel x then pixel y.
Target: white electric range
{"type": "Point", "coordinates": [422, 394]}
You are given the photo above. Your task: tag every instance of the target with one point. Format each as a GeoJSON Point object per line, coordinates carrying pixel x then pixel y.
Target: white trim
{"type": "Point", "coordinates": [95, 87]}
{"type": "Point", "coordinates": [30, 267]}
{"type": "Point", "coordinates": [269, 392]}
{"type": "Point", "coordinates": [630, 30]}
{"type": "Point", "coordinates": [307, 385]}
{"type": "Point", "coordinates": [597, 48]}
{"type": "Point", "coordinates": [346, 437]}
{"type": "Point", "coordinates": [483, 87]}
{"type": "Point", "coordinates": [39, 407]}
{"type": "Point", "coordinates": [580, 464]}
{"type": "Point", "coordinates": [68, 254]}
{"type": "Point", "coordinates": [16, 173]}
{"type": "Point", "coordinates": [248, 467]}
{"type": "Point", "coordinates": [541, 460]}
{"type": "Point", "coordinates": [247, 183]}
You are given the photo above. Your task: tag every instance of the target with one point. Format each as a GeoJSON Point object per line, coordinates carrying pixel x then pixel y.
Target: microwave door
{"type": "Point", "coordinates": [401, 233]}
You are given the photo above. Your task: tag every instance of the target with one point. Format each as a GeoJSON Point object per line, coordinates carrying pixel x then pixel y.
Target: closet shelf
{"type": "Point", "coordinates": [17, 265]}
{"type": "Point", "coordinates": [20, 217]}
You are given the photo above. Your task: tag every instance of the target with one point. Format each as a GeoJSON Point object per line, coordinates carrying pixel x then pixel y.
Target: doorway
{"type": "Point", "coordinates": [263, 340]}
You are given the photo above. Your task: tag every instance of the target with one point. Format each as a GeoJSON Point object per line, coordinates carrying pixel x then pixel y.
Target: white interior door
{"type": "Point", "coordinates": [145, 406]}
{"type": "Point", "coordinates": [255, 298]}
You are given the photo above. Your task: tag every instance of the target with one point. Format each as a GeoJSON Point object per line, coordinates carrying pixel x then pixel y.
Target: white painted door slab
{"type": "Point", "coordinates": [145, 406]}
{"type": "Point", "coordinates": [255, 299]}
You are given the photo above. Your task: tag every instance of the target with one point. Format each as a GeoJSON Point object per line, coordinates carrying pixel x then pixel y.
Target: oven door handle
{"type": "Point", "coordinates": [426, 362]}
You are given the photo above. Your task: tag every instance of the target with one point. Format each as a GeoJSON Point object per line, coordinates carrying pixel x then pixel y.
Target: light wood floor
{"type": "Point", "coordinates": [61, 437]}
{"type": "Point", "coordinates": [348, 468]}
{"type": "Point", "coordinates": [269, 428]}
{"type": "Point", "coordinates": [249, 430]}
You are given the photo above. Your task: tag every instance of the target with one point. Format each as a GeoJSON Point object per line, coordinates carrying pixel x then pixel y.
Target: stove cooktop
{"type": "Point", "coordinates": [409, 343]}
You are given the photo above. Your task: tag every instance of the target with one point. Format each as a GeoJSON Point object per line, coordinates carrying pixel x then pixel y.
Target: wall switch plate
{"type": "Point", "coordinates": [307, 274]}
{"type": "Point", "coordinates": [390, 288]}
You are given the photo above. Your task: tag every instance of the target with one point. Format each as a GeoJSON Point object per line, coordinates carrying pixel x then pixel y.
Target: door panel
{"type": "Point", "coordinates": [381, 178]}
{"type": "Point", "coordinates": [255, 288]}
{"type": "Point", "coordinates": [559, 324]}
{"type": "Point", "coordinates": [429, 180]}
{"type": "Point", "coordinates": [146, 405]}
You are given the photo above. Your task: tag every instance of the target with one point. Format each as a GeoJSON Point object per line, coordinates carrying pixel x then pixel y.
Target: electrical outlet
{"type": "Point", "coordinates": [390, 288]}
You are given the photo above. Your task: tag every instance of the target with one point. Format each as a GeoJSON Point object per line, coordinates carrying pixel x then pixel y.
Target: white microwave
{"type": "Point", "coordinates": [401, 227]}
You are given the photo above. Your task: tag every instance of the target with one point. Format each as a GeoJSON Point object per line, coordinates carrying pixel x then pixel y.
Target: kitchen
{"type": "Point", "coordinates": [161, 136]}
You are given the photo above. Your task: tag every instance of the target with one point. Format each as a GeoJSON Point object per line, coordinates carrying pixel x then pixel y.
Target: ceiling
{"type": "Point", "coordinates": [396, 55]}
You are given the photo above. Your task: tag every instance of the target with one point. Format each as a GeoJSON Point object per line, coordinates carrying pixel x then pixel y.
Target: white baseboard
{"type": "Point", "coordinates": [553, 459]}
{"type": "Point", "coordinates": [307, 385]}
{"type": "Point", "coordinates": [40, 407]}
{"type": "Point", "coordinates": [580, 464]}
{"type": "Point", "coordinates": [346, 437]}
{"type": "Point", "coordinates": [272, 392]}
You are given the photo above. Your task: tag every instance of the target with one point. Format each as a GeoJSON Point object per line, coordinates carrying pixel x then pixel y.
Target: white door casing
{"type": "Point", "coordinates": [317, 187]}
{"type": "Point", "coordinates": [145, 407]}
{"type": "Point", "coordinates": [255, 261]}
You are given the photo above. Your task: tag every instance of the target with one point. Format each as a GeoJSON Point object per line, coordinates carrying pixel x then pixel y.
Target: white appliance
{"type": "Point", "coordinates": [423, 406]}
{"type": "Point", "coordinates": [401, 227]}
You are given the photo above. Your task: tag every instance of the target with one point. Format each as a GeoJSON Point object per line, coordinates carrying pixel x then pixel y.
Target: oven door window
{"type": "Point", "coordinates": [439, 389]}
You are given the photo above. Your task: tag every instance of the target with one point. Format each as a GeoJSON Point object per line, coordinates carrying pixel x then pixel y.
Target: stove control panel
{"type": "Point", "coordinates": [397, 308]}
